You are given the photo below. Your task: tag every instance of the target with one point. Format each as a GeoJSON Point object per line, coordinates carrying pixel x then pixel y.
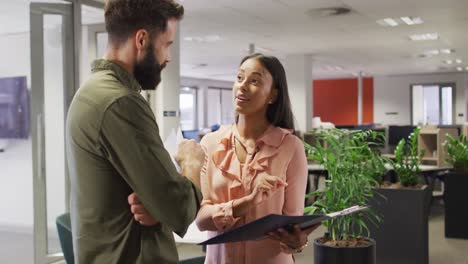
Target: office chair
{"type": "Point", "coordinates": [65, 235]}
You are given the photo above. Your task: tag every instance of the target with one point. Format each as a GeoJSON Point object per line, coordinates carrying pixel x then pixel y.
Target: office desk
{"type": "Point", "coordinates": [314, 168]}
{"type": "Point", "coordinates": [429, 172]}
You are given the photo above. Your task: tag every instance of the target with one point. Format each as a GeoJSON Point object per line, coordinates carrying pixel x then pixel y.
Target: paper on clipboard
{"type": "Point", "coordinates": [258, 229]}
{"type": "Point", "coordinates": [171, 144]}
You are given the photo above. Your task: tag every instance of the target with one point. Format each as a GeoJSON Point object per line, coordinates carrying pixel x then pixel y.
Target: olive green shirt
{"type": "Point", "coordinates": [114, 149]}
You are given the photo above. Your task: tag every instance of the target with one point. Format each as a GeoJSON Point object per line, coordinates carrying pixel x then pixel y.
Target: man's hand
{"type": "Point", "coordinates": [191, 157]}
{"type": "Point", "coordinates": [139, 212]}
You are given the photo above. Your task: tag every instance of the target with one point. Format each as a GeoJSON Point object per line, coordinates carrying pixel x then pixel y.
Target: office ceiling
{"type": "Point", "coordinates": [215, 34]}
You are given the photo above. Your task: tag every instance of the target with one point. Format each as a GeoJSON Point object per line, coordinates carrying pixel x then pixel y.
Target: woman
{"type": "Point", "coordinates": [253, 168]}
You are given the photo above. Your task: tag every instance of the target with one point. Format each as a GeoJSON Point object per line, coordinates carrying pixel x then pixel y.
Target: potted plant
{"type": "Point", "coordinates": [456, 183]}
{"type": "Point", "coordinates": [403, 236]}
{"type": "Point", "coordinates": [457, 151]}
{"type": "Point", "coordinates": [352, 168]}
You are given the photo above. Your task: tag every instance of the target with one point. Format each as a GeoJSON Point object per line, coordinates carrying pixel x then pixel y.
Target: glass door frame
{"type": "Point", "coordinates": [68, 11]}
{"type": "Point", "coordinates": [440, 85]}
{"type": "Point", "coordinates": [193, 90]}
{"type": "Point", "coordinates": [93, 31]}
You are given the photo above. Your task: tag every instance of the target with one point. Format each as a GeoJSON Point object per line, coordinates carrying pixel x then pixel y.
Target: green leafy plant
{"type": "Point", "coordinates": [353, 171]}
{"type": "Point", "coordinates": [457, 151]}
{"type": "Point", "coordinates": [407, 159]}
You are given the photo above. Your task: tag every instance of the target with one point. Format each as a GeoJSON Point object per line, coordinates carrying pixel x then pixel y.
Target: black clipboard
{"type": "Point", "coordinates": [257, 230]}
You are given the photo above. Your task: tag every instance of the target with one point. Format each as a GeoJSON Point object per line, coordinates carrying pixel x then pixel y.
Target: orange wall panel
{"type": "Point", "coordinates": [336, 100]}
{"type": "Point", "coordinates": [368, 100]}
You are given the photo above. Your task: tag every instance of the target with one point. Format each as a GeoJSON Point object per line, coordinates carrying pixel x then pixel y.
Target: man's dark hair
{"type": "Point", "coordinates": [124, 17]}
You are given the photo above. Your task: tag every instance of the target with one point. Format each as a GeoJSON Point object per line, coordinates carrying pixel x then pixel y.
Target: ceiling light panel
{"type": "Point", "coordinates": [405, 20]}
{"type": "Point", "coordinates": [434, 52]}
{"type": "Point", "coordinates": [411, 20]}
{"type": "Point", "coordinates": [426, 36]}
{"type": "Point", "coordinates": [446, 51]}
{"type": "Point", "coordinates": [203, 39]}
{"type": "Point", "coordinates": [387, 22]}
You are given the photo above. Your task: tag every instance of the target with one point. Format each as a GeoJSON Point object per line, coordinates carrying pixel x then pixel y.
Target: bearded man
{"type": "Point", "coordinates": [114, 148]}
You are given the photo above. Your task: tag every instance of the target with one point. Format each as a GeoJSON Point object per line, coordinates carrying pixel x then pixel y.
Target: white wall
{"type": "Point", "coordinates": [392, 94]}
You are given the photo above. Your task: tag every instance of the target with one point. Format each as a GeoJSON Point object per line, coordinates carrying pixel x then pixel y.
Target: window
{"type": "Point", "coordinates": [432, 104]}
{"type": "Point", "coordinates": [188, 108]}
{"type": "Point", "coordinates": [220, 106]}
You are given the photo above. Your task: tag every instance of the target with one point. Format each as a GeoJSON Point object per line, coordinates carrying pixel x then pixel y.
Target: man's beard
{"type": "Point", "coordinates": [148, 72]}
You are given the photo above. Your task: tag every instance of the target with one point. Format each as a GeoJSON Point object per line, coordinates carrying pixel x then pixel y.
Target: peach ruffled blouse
{"type": "Point", "coordinates": [277, 152]}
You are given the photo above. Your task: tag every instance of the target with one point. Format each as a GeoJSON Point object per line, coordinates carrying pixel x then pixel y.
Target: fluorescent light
{"type": "Point", "coordinates": [417, 20]}
{"type": "Point", "coordinates": [446, 51]}
{"type": "Point", "coordinates": [407, 20]}
{"type": "Point", "coordinates": [458, 61]}
{"type": "Point", "coordinates": [426, 36]}
{"type": "Point", "coordinates": [411, 20]}
{"type": "Point", "coordinates": [204, 39]}
{"type": "Point", "coordinates": [466, 68]}
{"type": "Point", "coordinates": [387, 22]}
{"type": "Point", "coordinates": [391, 22]}
{"type": "Point", "coordinates": [459, 69]}
{"type": "Point", "coordinates": [448, 62]}
{"type": "Point", "coordinates": [264, 50]}
{"type": "Point", "coordinates": [432, 52]}
{"type": "Point", "coordinates": [333, 68]}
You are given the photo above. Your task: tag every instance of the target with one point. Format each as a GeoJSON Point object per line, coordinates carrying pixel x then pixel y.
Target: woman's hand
{"type": "Point", "coordinates": [294, 241]}
{"type": "Point", "coordinates": [139, 211]}
{"type": "Point", "coordinates": [264, 186]}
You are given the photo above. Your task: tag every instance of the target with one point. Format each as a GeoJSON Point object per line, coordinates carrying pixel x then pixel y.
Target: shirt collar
{"type": "Point", "coordinates": [273, 136]}
{"type": "Point", "coordinates": [123, 75]}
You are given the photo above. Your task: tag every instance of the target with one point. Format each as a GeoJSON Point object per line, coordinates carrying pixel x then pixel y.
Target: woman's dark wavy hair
{"type": "Point", "coordinates": [279, 113]}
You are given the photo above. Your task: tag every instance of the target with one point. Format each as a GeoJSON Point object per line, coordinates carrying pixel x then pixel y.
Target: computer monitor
{"type": "Point", "coordinates": [396, 133]}
{"type": "Point", "coordinates": [14, 108]}
{"type": "Point", "coordinates": [191, 134]}
{"type": "Point", "coordinates": [345, 126]}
